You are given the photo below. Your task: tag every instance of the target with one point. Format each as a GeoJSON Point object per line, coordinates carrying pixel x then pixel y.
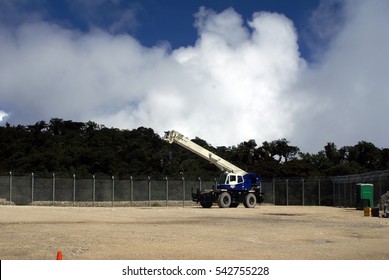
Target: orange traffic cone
{"type": "Point", "coordinates": [59, 256]}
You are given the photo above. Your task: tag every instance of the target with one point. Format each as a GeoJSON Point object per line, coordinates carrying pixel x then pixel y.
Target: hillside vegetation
{"type": "Point", "coordinates": [65, 146]}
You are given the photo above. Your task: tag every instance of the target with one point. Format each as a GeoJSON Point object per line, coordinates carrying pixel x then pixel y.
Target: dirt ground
{"type": "Point", "coordinates": [177, 233]}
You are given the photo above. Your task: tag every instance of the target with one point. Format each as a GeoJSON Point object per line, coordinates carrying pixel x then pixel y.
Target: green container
{"type": "Point", "coordinates": [364, 196]}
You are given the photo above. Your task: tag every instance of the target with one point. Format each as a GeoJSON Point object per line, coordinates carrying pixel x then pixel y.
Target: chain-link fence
{"type": "Point", "coordinates": [298, 191]}
{"type": "Point", "coordinates": [345, 187]}
{"type": "Point", "coordinates": [35, 189]}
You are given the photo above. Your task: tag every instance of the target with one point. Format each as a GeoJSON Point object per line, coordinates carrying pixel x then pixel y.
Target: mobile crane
{"type": "Point", "coordinates": [235, 185]}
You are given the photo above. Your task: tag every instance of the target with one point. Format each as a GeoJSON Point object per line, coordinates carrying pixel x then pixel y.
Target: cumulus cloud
{"type": "Point", "coordinates": [346, 91]}
{"type": "Point", "coordinates": [3, 116]}
{"type": "Point", "coordinates": [241, 80]}
{"type": "Point", "coordinates": [241, 76]}
{"type": "Point", "coordinates": [221, 84]}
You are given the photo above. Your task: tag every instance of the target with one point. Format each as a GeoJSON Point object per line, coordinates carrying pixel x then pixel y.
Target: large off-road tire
{"type": "Point", "coordinates": [224, 200]}
{"type": "Point", "coordinates": [206, 204]}
{"type": "Point", "coordinates": [250, 200]}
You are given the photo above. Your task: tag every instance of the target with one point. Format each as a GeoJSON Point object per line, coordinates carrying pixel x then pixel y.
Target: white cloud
{"type": "Point", "coordinates": [224, 83]}
{"type": "Point", "coordinates": [347, 89]}
{"type": "Point", "coordinates": [239, 81]}
{"type": "Point", "coordinates": [3, 116]}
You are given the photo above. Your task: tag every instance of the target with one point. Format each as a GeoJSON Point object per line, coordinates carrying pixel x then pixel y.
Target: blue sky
{"type": "Point", "coordinates": [309, 71]}
{"type": "Point", "coordinates": [154, 21]}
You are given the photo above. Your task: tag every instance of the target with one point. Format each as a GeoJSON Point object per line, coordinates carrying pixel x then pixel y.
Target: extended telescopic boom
{"type": "Point", "coordinates": [176, 137]}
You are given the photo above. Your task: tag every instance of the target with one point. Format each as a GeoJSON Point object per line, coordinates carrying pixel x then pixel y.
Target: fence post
{"type": "Point", "coordinates": [74, 189]}
{"type": "Point", "coordinates": [53, 188]}
{"type": "Point", "coordinates": [302, 188]}
{"type": "Point", "coordinates": [274, 191]}
{"type": "Point", "coordinates": [183, 192]}
{"type": "Point", "coordinates": [93, 190]}
{"type": "Point", "coordinates": [351, 195]}
{"type": "Point", "coordinates": [10, 187]}
{"type": "Point", "coordinates": [113, 190]}
{"type": "Point", "coordinates": [319, 192]}
{"type": "Point", "coordinates": [287, 191]}
{"type": "Point", "coordinates": [380, 185]}
{"type": "Point", "coordinates": [200, 183]}
{"type": "Point", "coordinates": [131, 190]}
{"type": "Point", "coordinates": [339, 194]}
{"type": "Point", "coordinates": [345, 194]}
{"type": "Point", "coordinates": [338, 185]}
{"type": "Point", "coordinates": [149, 187]}
{"type": "Point", "coordinates": [32, 188]}
{"type": "Point", "coordinates": [167, 190]}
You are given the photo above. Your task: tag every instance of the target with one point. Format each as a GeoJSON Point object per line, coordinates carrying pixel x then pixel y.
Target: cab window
{"type": "Point", "coordinates": [232, 178]}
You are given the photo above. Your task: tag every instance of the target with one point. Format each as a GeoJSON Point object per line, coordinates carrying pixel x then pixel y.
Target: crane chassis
{"type": "Point", "coordinates": [235, 185]}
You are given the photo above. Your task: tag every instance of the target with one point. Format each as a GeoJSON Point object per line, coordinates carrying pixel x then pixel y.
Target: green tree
{"type": "Point", "coordinates": [366, 155]}
{"type": "Point", "coordinates": [280, 150]}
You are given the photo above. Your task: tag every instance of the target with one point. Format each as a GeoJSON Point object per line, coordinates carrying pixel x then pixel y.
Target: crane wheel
{"type": "Point", "coordinates": [206, 204]}
{"type": "Point", "coordinates": [250, 200]}
{"type": "Point", "coordinates": [224, 200]}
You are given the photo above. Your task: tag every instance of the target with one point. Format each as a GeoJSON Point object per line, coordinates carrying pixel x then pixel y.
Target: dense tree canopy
{"type": "Point", "coordinates": [64, 146]}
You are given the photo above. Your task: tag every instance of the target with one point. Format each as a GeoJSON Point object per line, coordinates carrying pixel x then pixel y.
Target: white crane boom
{"type": "Point", "coordinates": [174, 136]}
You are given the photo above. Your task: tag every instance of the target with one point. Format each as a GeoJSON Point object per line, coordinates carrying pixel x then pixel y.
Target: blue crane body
{"type": "Point", "coordinates": [235, 185]}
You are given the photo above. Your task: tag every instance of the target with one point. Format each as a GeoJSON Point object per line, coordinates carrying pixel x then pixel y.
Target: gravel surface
{"type": "Point", "coordinates": [191, 232]}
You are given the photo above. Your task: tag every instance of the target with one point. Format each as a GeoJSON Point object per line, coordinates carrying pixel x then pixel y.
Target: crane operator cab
{"type": "Point", "coordinates": [236, 181]}
{"type": "Point", "coordinates": [230, 181]}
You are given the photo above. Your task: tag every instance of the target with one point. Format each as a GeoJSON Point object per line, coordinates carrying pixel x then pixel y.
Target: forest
{"type": "Point", "coordinates": [68, 147]}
